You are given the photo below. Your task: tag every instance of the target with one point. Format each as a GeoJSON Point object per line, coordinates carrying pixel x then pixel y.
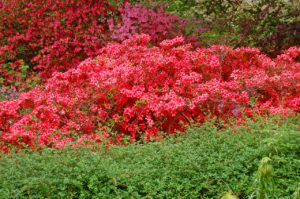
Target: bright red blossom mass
{"type": "Point", "coordinates": [131, 91]}
{"type": "Point", "coordinates": [51, 35]}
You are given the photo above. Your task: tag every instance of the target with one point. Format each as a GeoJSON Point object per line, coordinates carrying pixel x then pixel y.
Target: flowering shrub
{"type": "Point", "coordinates": [7, 93]}
{"type": "Point", "coordinates": [133, 92]}
{"type": "Point", "coordinates": [267, 24]}
{"type": "Point", "coordinates": [50, 35]}
{"type": "Point", "coordinates": [137, 19]}
{"type": "Point", "coordinates": [18, 76]}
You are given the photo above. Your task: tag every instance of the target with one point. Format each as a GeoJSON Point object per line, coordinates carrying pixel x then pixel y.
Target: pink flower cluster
{"type": "Point", "coordinates": [133, 20]}
{"type": "Point", "coordinates": [133, 92]}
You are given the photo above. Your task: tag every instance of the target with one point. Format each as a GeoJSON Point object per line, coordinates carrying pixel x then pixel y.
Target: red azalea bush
{"type": "Point", "coordinates": [133, 92]}
{"type": "Point", "coordinates": [50, 35]}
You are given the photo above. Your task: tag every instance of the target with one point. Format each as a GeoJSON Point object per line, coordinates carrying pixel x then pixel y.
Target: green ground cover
{"type": "Point", "coordinates": [201, 163]}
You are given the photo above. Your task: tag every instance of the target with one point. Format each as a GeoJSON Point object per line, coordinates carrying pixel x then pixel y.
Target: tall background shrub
{"type": "Point", "coordinates": [49, 35]}
{"type": "Point", "coordinates": [269, 25]}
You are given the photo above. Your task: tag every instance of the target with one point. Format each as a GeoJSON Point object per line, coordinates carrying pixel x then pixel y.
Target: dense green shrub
{"type": "Point", "coordinates": [203, 163]}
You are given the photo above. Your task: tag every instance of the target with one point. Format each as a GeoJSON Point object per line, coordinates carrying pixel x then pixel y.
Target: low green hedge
{"type": "Point", "coordinates": [202, 163]}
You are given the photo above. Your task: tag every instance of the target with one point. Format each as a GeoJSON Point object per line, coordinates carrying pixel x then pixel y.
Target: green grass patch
{"type": "Point", "coordinates": [201, 163]}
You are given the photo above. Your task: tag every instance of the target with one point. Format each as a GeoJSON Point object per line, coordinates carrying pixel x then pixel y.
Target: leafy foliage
{"type": "Point", "coordinates": [268, 25]}
{"type": "Point", "coordinates": [271, 25]}
{"type": "Point", "coordinates": [7, 93]}
{"type": "Point", "coordinates": [203, 162]}
{"type": "Point", "coordinates": [264, 185]}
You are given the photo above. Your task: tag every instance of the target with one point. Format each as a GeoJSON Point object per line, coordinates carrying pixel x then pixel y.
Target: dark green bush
{"type": "Point", "coordinates": [203, 163]}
